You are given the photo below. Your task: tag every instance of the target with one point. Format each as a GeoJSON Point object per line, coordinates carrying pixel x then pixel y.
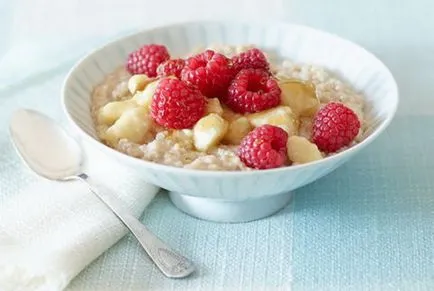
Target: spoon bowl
{"type": "Point", "coordinates": [49, 152]}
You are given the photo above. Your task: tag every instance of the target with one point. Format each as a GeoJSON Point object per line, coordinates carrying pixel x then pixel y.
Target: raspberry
{"type": "Point", "coordinates": [171, 68]}
{"type": "Point", "coordinates": [335, 126]}
{"type": "Point", "coordinates": [176, 105]}
{"type": "Point", "coordinates": [146, 59]}
{"type": "Point", "coordinates": [264, 147]}
{"type": "Point", "coordinates": [253, 90]}
{"type": "Point", "coordinates": [251, 59]}
{"type": "Point", "coordinates": [209, 71]}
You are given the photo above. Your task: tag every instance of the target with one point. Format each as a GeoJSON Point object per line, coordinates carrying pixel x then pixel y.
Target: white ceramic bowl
{"type": "Point", "coordinates": [236, 196]}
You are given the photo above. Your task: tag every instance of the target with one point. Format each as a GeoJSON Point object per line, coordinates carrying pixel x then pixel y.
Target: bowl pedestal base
{"type": "Point", "coordinates": [227, 211]}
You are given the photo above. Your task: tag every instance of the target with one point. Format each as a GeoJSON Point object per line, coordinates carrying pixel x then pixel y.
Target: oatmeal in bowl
{"type": "Point", "coordinates": [227, 108]}
{"type": "Point", "coordinates": [230, 129]}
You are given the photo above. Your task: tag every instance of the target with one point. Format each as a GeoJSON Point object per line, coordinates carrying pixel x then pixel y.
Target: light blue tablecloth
{"type": "Point", "coordinates": [366, 226]}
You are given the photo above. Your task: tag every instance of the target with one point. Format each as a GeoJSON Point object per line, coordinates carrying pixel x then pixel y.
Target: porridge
{"type": "Point", "coordinates": [225, 108]}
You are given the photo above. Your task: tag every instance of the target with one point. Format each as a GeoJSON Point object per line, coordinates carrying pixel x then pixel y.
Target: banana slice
{"type": "Point", "coordinates": [111, 112]}
{"type": "Point", "coordinates": [133, 125]}
{"type": "Point", "coordinates": [300, 97]}
{"type": "Point", "coordinates": [138, 83]}
{"type": "Point", "coordinates": [301, 150]}
{"type": "Point", "coordinates": [209, 131]}
{"type": "Point", "coordinates": [237, 130]}
{"type": "Point", "coordinates": [144, 97]}
{"type": "Point", "coordinates": [281, 116]}
{"type": "Point", "coordinates": [213, 106]}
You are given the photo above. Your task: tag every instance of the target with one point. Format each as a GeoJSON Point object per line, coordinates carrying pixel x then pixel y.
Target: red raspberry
{"type": "Point", "coordinates": [209, 71]}
{"type": "Point", "coordinates": [171, 68]}
{"type": "Point", "coordinates": [253, 90]}
{"type": "Point", "coordinates": [146, 59]}
{"type": "Point", "coordinates": [176, 105]}
{"type": "Point", "coordinates": [335, 126]}
{"type": "Point", "coordinates": [264, 147]}
{"type": "Point", "coordinates": [251, 59]}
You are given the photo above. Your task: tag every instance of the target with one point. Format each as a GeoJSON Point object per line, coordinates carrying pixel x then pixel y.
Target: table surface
{"type": "Point", "coordinates": [366, 226]}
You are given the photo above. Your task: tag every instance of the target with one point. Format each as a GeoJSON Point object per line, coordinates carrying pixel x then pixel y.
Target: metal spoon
{"type": "Point", "coordinates": [47, 149]}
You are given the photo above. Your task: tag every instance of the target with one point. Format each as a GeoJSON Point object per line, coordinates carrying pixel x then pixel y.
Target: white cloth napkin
{"type": "Point", "coordinates": [51, 231]}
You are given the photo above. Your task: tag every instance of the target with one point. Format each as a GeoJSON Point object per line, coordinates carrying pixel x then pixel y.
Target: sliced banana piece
{"type": "Point", "coordinates": [138, 82]}
{"type": "Point", "coordinates": [281, 116]}
{"type": "Point", "coordinates": [111, 112]}
{"type": "Point", "coordinates": [133, 124]}
{"type": "Point", "coordinates": [213, 106]}
{"type": "Point", "coordinates": [209, 131]}
{"type": "Point", "coordinates": [237, 130]}
{"type": "Point", "coordinates": [300, 97]}
{"type": "Point", "coordinates": [301, 150]}
{"type": "Point", "coordinates": [144, 97]}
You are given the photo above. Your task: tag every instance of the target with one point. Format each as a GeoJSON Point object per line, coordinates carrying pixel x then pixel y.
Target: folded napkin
{"type": "Point", "coordinates": [50, 231]}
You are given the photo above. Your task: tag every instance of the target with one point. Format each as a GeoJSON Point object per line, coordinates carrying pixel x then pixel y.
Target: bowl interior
{"type": "Point", "coordinates": [350, 62]}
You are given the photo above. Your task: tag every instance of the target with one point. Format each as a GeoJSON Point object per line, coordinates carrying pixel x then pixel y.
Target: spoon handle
{"type": "Point", "coordinates": [171, 263]}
